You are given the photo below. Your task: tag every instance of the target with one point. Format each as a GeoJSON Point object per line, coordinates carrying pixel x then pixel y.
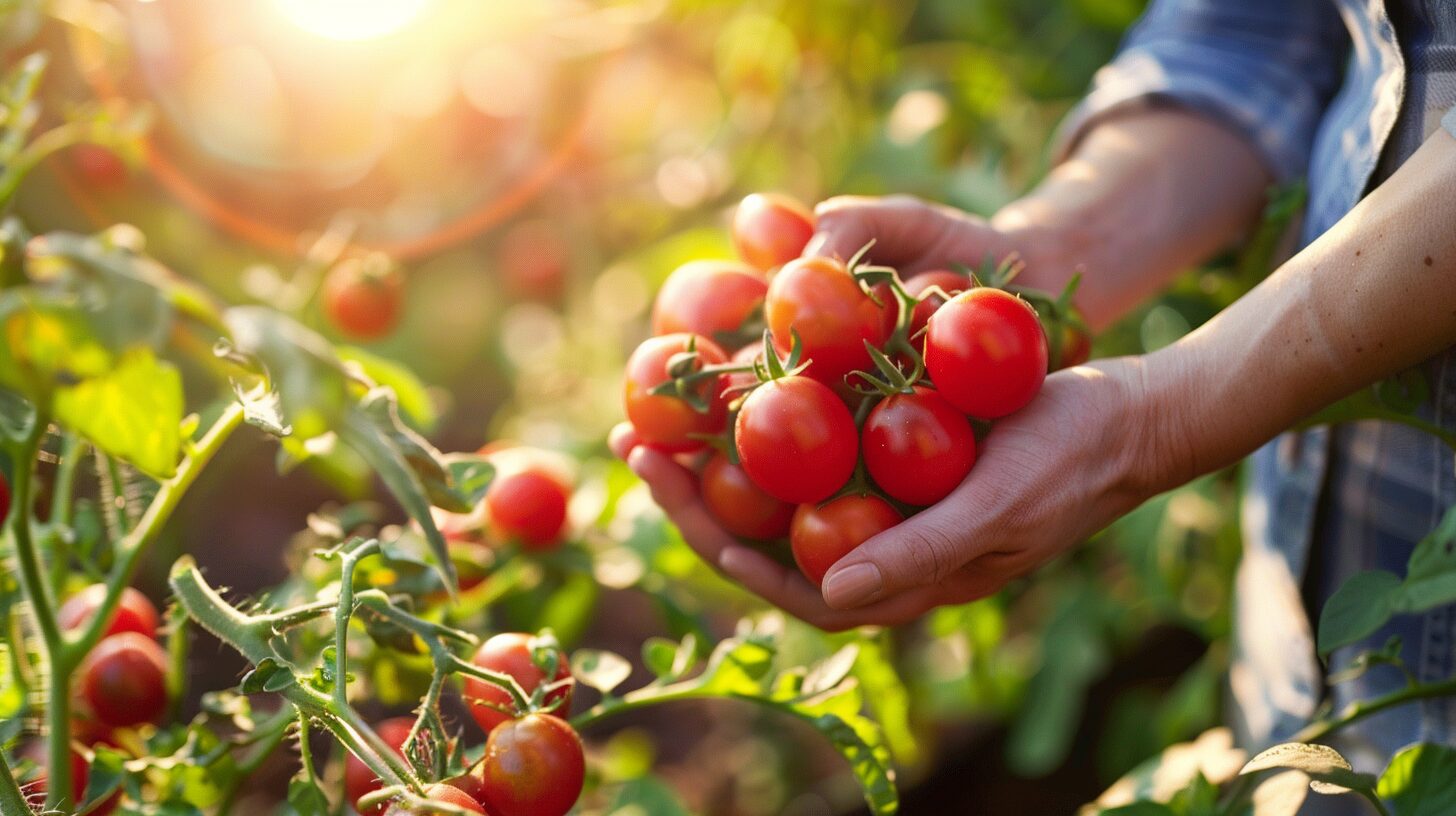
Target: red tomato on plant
{"type": "Point", "coordinates": [511, 653]}
{"type": "Point", "coordinates": [534, 260]}
{"type": "Point", "coordinates": [444, 794]}
{"type": "Point", "coordinates": [917, 447]}
{"type": "Point", "coordinates": [134, 613]}
{"type": "Point", "coordinates": [710, 298]}
{"type": "Point", "coordinates": [986, 352]}
{"type": "Point", "coordinates": [666, 422]}
{"type": "Point", "coordinates": [123, 680]}
{"type": "Point", "coordinates": [820, 536]}
{"type": "Point", "coordinates": [363, 297]}
{"type": "Point", "coordinates": [35, 790]}
{"type": "Point", "coordinates": [529, 506]}
{"type": "Point", "coordinates": [359, 781]}
{"type": "Point", "coordinates": [741, 506]}
{"type": "Point", "coordinates": [770, 230]}
{"type": "Point", "coordinates": [533, 766]}
{"type": "Point", "coordinates": [820, 300]}
{"type": "Point", "coordinates": [796, 440]}
{"type": "Point", "coordinates": [949, 282]}
{"type": "Point", "coordinates": [98, 166]}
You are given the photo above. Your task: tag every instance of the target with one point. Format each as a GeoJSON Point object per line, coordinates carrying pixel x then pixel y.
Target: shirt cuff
{"type": "Point", "coordinates": [1449, 121]}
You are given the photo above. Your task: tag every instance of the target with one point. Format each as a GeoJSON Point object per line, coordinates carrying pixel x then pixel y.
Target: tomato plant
{"type": "Point", "coordinates": [363, 297]}
{"type": "Point", "coordinates": [134, 613]}
{"type": "Point", "coordinates": [821, 535]}
{"type": "Point", "coordinates": [796, 440]}
{"type": "Point", "coordinates": [532, 767]}
{"type": "Point", "coordinates": [673, 422]}
{"type": "Point", "coordinates": [443, 794]}
{"type": "Point", "coordinates": [716, 299]}
{"type": "Point", "coordinates": [123, 681]}
{"type": "Point", "coordinates": [359, 779]}
{"type": "Point", "coordinates": [741, 506]}
{"type": "Point", "coordinates": [533, 663]}
{"type": "Point", "coordinates": [917, 446]}
{"type": "Point", "coordinates": [820, 302]}
{"type": "Point", "coordinates": [986, 352]}
{"type": "Point", "coordinates": [769, 230]}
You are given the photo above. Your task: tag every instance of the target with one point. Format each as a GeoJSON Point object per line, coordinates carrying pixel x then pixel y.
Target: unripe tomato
{"type": "Point", "coordinates": [359, 781]}
{"type": "Point", "coordinates": [820, 300]}
{"type": "Point", "coordinates": [711, 298]}
{"type": "Point", "coordinates": [820, 536]}
{"type": "Point", "coordinates": [986, 352]}
{"type": "Point", "coordinates": [796, 440]}
{"type": "Point", "coordinates": [123, 680]}
{"type": "Point", "coordinates": [529, 506]}
{"type": "Point", "coordinates": [363, 297]}
{"type": "Point", "coordinates": [134, 613]}
{"type": "Point", "coordinates": [918, 447]}
{"type": "Point", "coordinates": [1076, 347]}
{"type": "Point", "coordinates": [533, 766]}
{"type": "Point", "coordinates": [741, 506]}
{"type": "Point", "coordinates": [770, 230]}
{"type": "Point", "coordinates": [511, 653]}
{"type": "Point", "coordinates": [441, 793]}
{"type": "Point", "coordinates": [666, 422]}
{"type": "Point", "coordinates": [951, 283]}
{"type": "Point", "coordinates": [4, 500]}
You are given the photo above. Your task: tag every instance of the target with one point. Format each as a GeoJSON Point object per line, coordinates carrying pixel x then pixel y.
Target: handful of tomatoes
{"type": "Point", "coordinates": [865, 399]}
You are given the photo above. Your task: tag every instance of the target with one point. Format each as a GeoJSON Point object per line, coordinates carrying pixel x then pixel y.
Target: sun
{"type": "Point", "coordinates": [351, 20]}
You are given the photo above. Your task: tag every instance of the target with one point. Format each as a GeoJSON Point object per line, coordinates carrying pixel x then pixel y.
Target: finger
{"type": "Point", "coordinates": [910, 234]}
{"type": "Point", "coordinates": [623, 439]}
{"type": "Point", "coordinates": [675, 490]}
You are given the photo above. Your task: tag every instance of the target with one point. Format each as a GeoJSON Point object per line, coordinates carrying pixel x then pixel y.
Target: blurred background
{"type": "Point", "coordinates": [537, 168]}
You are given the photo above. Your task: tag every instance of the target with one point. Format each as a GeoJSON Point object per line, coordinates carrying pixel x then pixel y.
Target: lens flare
{"type": "Point", "coordinates": [351, 20]}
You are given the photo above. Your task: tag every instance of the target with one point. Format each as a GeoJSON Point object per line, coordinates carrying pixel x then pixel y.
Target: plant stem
{"type": "Point", "coordinates": [1360, 709]}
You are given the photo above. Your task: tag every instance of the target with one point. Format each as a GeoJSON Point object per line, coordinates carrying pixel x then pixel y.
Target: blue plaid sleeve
{"type": "Point", "coordinates": [1267, 68]}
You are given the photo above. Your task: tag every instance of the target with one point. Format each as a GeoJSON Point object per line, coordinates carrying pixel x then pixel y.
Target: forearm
{"type": "Point", "coordinates": [1373, 296]}
{"type": "Point", "coordinates": [1144, 196]}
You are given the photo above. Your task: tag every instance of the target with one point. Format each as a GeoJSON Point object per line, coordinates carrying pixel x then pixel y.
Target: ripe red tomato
{"type": "Point", "coordinates": [740, 505]}
{"type": "Point", "coordinates": [529, 506]}
{"type": "Point", "coordinates": [986, 352]}
{"type": "Point", "coordinates": [918, 447]}
{"type": "Point", "coordinates": [770, 230]}
{"type": "Point", "coordinates": [444, 794]}
{"type": "Point", "coordinates": [35, 790]}
{"type": "Point", "coordinates": [820, 300]}
{"type": "Point", "coordinates": [4, 500]}
{"type": "Point", "coordinates": [134, 613]}
{"type": "Point", "coordinates": [711, 298]}
{"type": "Point", "coordinates": [666, 422]}
{"type": "Point", "coordinates": [510, 653]}
{"type": "Point", "coordinates": [820, 536]}
{"type": "Point", "coordinates": [533, 766]}
{"type": "Point", "coordinates": [123, 680]}
{"type": "Point", "coordinates": [534, 260]}
{"type": "Point", "coordinates": [359, 781]}
{"type": "Point", "coordinates": [949, 282]}
{"type": "Point", "coordinates": [363, 297]}
{"type": "Point", "coordinates": [796, 440]}
{"type": "Point", "coordinates": [98, 166]}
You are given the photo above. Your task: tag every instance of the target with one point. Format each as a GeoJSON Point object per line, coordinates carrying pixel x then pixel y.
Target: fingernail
{"type": "Point", "coordinates": [854, 585]}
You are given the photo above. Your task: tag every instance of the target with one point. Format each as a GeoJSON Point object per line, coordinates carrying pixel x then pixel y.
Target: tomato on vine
{"type": "Point", "coordinates": [363, 297]}
{"type": "Point", "coordinates": [1076, 346]}
{"type": "Point", "coordinates": [796, 440]}
{"type": "Point", "coordinates": [515, 654]}
{"type": "Point", "coordinates": [739, 505]}
{"type": "Point", "coordinates": [821, 302]}
{"type": "Point", "coordinates": [123, 680]}
{"type": "Point", "coordinates": [917, 446]}
{"type": "Point", "coordinates": [99, 166]}
{"type": "Point", "coordinates": [533, 766]}
{"type": "Point", "coordinates": [770, 230]}
{"type": "Point", "coordinates": [529, 506]}
{"type": "Point", "coordinates": [821, 535]}
{"type": "Point", "coordinates": [951, 283]}
{"type": "Point", "coordinates": [711, 298]}
{"type": "Point", "coordinates": [668, 422]}
{"type": "Point", "coordinates": [359, 780]}
{"type": "Point", "coordinates": [442, 794]}
{"type": "Point", "coordinates": [986, 352]}
{"type": "Point", "coordinates": [134, 612]}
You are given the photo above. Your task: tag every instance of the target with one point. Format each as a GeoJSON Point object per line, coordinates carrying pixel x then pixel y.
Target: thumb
{"type": "Point", "coordinates": [924, 550]}
{"type": "Point", "coordinates": [909, 234]}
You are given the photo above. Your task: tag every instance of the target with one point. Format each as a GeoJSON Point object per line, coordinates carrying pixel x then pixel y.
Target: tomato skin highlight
{"type": "Point", "coordinates": [952, 283]}
{"type": "Point", "coordinates": [770, 229]}
{"type": "Point", "coordinates": [134, 612]}
{"type": "Point", "coordinates": [820, 301]}
{"type": "Point", "coordinates": [123, 680]}
{"type": "Point", "coordinates": [510, 653]}
{"type": "Point", "coordinates": [796, 440]}
{"type": "Point", "coordinates": [666, 422]}
{"type": "Point", "coordinates": [359, 781]}
{"type": "Point", "coordinates": [533, 766]}
{"type": "Point", "coordinates": [986, 352]}
{"type": "Point", "coordinates": [363, 303]}
{"type": "Point", "coordinates": [529, 506]}
{"type": "Point", "coordinates": [739, 505]}
{"type": "Point", "coordinates": [918, 447]}
{"type": "Point", "coordinates": [710, 298]}
{"type": "Point", "coordinates": [820, 536]}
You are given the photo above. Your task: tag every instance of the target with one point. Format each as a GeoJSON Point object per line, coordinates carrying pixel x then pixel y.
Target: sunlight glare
{"type": "Point", "coordinates": [351, 20]}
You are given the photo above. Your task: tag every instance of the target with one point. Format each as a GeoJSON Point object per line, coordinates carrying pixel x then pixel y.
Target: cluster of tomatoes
{"type": "Point", "coordinates": [863, 402]}
{"type": "Point", "coordinates": [533, 764]}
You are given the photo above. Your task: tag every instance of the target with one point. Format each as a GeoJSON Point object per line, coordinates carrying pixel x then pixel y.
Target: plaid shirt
{"type": "Point", "coordinates": [1340, 92]}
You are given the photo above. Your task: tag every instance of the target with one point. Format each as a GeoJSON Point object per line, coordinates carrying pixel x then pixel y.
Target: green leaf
{"type": "Point", "coordinates": [1358, 609]}
{"type": "Point", "coordinates": [1430, 579]}
{"type": "Point", "coordinates": [1074, 653]}
{"type": "Point", "coordinates": [305, 798]}
{"type": "Point", "coordinates": [1328, 771]}
{"type": "Point", "coordinates": [599, 669]}
{"type": "Point", "coordinates": [414, 397]}
{"type": "Point", "coordinates": [300, 365]}
{"type": "Point", "coordinates": [134, 412]}
{"type": "Point", "coordinates": [268, 675]}
{"type": "Point", "coordinates": [1280, 794]}
{"type": "Point", "coordinates": [1139, 809]}
{"type": "Point", "coordinates": [1421, 781]}
{"type": "Point", "coordinates": [647, 796]}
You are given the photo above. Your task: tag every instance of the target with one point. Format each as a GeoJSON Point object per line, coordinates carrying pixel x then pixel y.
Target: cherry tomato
{"type": "Point", "coordinates": [949, 282]}
{"type": "Point", "coordinates": [511, 653]}
{"type": "Point", "coordinates": [444, 794]}
{"type": "Point", "coordinates": [770, 230]}
{"type": "Point", "coordinates": [986, 352]}
{"type": "Point", "coordinates": [796, 440]}
{"type": "Point", "coordinates": [363, 297]}
{"type": "Point", "coordinates": [666, 422]}
{"type": "Point", "coordinates": [740, 505]}
{"type": "Point", "coordinates": [359, 781]}
{"type": "Point", "coordinates": [134, 613]}
{"type": "Point", "coordinates": [819, 299]}
{"type": "Point", "coordinates": [529, 506]}
{"type": "Point", "coordinates": [711, 298]}
{"type": "Point", "coordinates": [533, 766]}
{"type": "Point", "coordinates": [35, 790]}
{"type": "Point", "coordinates": [98, 166]}
{"type": "Point", "coordinates": [4, 500]}
{"type": "Point", "coordinates": [734, 385]}
{"type": "Point", "coordinates": [534, 259]}
{"type": "Point", "coordinates": [820, 536]}
{"type": "Point", "coordinates": [918, 447]}
{"type": "Point", "coordinates": [123, 680]}
{"type": "Point", "coordinates": [1076, 347]}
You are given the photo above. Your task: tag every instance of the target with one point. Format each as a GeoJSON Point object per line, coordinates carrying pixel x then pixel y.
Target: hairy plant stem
{"type": "Point", "coordinates": [1360, 709]}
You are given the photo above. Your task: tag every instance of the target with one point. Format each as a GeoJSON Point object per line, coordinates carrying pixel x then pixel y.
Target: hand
{"type": "Point", "coordinates": [1081, 454]}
